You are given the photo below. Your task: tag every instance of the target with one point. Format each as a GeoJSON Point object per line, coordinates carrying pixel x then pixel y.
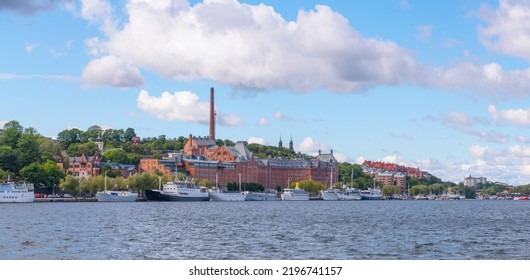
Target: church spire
{"type": "Point", "coordinates": [291, 147]}
{"type": "Point", "coordinates": [280, 144]}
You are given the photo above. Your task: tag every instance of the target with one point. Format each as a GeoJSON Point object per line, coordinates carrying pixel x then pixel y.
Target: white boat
{"type": "Point", "coordinates": [219, 195]}
{"type": "Point", "coordinates": [372, 194]}
{"type": "Point", "coordinates": [178, 191]}
{"type": "Point", "coordinates": [11, 192]}
{"type": "Point", "coordinates": [345, 194]}
{"type": "Point", "coordinates": [330, 194]}
{"type": "Point", "coordinates": [262, 196]}
{"type": "Point", "coordinates": [115, 196]}
{"type": "Point", "coordinates": [294, 194]}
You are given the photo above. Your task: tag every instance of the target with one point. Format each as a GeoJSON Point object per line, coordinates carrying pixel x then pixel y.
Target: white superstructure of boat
{"type": "Point", "coordinates": [11, 192]}
{"type": "Point", "coordinates": [220, 195]}
{"type": "Point", "coordinates": [295, 194]}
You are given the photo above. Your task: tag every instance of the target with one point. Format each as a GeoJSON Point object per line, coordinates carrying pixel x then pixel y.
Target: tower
{"type": "Point", "coordinates": [291, 144]}
{"type": "Point", "coordinates": [212, 115]}
{"type": "Point", "coordinates": [280, 144]}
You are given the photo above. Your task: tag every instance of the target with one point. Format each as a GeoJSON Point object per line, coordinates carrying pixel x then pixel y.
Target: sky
{"type": "Point", "coordinates": [443, 86]}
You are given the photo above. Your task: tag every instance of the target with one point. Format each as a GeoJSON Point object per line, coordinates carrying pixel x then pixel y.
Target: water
{"type": "Point", "coordinates": [352, 230]}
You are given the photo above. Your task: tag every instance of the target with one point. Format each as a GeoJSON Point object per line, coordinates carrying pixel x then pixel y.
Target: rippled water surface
{"type": "Point", "coordinates": [267, 230]}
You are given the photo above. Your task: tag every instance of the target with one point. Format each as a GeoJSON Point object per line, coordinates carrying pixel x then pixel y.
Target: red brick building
{"type": "Point", "coordinates": [84, 167]}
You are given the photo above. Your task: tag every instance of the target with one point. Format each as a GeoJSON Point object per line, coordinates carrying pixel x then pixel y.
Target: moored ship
{"type": "Point", "coordinates": [116, 196]}
{"type": "Point", "coordinates": [295, 194]}
{"type": "Point", "coordinates": [11, 192]}
{"type": "Point", "coordinates": [178, 191]}
{"type": "Point", "coordinates": [220, 195]}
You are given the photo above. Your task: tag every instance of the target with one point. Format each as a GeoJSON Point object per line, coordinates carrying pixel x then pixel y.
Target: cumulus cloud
{"type": "Point", "coordinates": [423, 32]}
{"type": "Point", "coordinates": [182, 106]}
{"type": "Point", "coordinates": [507, 29]}
{"type": "Point", "coordinates": [465, 124]}
{"type": "Point", "coordinates": [520, 117]}
{"type": "Point", "coordinates": [311, 147]}
{"type": "Point", "coordinates": [257, 140]}
{"type": "Point", "coordinates": [252, 46]}
{"type": "Point", "coordinates": [263, 121]}
{"type": "Point", "coordinates": [112, 71]}
{"type": "Point", "coordinates": [29, 7]}
{"type": "Point", "coordinates": [29, 47]}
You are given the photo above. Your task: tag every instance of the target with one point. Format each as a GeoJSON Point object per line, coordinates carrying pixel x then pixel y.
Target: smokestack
{"type": "Point", "coordinates": [212, 116]}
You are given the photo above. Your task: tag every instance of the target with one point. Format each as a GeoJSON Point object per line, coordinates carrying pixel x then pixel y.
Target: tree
{"type": "Point", "coordinates": [129, 134]}
{"type": "Point", "coordinates": [77, 149]}
{"type": "Point", "coordinates": [8, 158]}
{"type": "Point", "coordinates": [34, 173]}
{"type": "Point", "coordinates": [391, 190]}
{"type": "Point", "coordinates": [69, 136]}
{"type": "Point", "coordinates": [10, 136]}
{"type": "Point", "coordinates": [70, 184]}
{"type": "Point", "coordinates": [54, 173]}
{"type": "Point", "coordinates": [93, 133]}
{"type": "Point", "coordinates": [118, 156]}
{"type": "Point", "coordinates": [144, 181]}
{"type": "Point", "coordinates": [28, 150]}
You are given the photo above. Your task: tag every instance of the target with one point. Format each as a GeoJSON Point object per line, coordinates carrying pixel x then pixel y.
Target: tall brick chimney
{"type": "Point", "coordinates": [212, 116]}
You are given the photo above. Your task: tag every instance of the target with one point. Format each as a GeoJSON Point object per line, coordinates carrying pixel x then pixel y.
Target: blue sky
{"type": "Point", "coordinates": [443, 86]}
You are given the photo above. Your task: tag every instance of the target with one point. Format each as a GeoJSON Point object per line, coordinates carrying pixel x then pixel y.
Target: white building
{"type": "Point", "coordinates": [473, 182]}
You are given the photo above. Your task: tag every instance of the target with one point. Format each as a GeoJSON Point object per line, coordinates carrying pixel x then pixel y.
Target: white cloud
{"type": "Point", "coordinates": [507, 29]}
{"type": "Point", "coordinates": [263, 121]}
{"type": "Point", "coordinates": [29, 47]}
{"type": "Point", "coordinates": [520, 117]}
{"type": "Point", "coordinates": [360, 159]}
{"type": "Point", "coordinates": [257, 140]}
{"type": "Point", "coordinates": [99, 12]}
{"type": "Point", "coordinates": [404, 4]}
{"type": "Point", "coordinates": [255, 47]}
{"type": "Point", "coordinates": [477, 151]}
{"type": "Point", "coordinates": [423, 32]}
{"type": "Point", "coordinates": [112, 71]}
{"type": "Point", "coordinates": [311, 147]}
{"type": "Point", "coordinates": [493, 72]}
{"type": "Point", "coordinates": [465, 124]}
{"type": "Point", "coordinates": [182, 106]}
{"type": "Point", "coordinates": [523, 139]}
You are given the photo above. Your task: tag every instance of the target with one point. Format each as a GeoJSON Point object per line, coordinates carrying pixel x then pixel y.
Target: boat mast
{"type": "Point", "coordinates": [159, 183]}
{"type": "Point", "coordinates": [239, 181]}
{"type": "Point", "coordinates": [105, 180]}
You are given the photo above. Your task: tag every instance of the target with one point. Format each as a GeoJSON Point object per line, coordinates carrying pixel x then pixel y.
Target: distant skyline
{"type": "Point", "coordinates": [443, 86]}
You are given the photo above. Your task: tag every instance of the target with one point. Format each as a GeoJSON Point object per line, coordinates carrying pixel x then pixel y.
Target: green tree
{"type": "Point", "coordinates": [8, 158]}
{"type": "Point", "coordinates": [93, 133]}
{"type": "Point", "coordinates": [70, 184]}
{"type": "Point", "coordinates": [419, 189]}
{"type": "Point", "coordinates": [78, 149]}
{"type": "Point", "coordinates": [28, 150]}
{"type": "Point", "coordinates": [69, 136]}
{"type": "Point", "coordinates": [129, 134]}
{"type": "Point", "coordinates": [53, 173]}
{"type": "Point", "coordinates": [144, 181]}
{"type": "Point", "coordinates": [391, 190]}
{"type": "Point", "coordinates": [34, 173]}
{"type": "Point", "coordinates": [11, 134]}
{"type": "Point", "coordinates": [118, 156]}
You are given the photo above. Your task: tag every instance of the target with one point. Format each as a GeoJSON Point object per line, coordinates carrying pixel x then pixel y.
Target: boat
{"type": "Point", "coordinates": [263, 196]}
{"type": "Point", "coordinates": [295, 194]}
{"type": "Point", "coordinates": [178, 191]}
{"type": "Point", "coordinates": [12, 192]}
{"type": "Point", "coordinates": [116, 196]}
{"type": "Point", "coordinates": [217, 194]}
{"type": "Point", "coordinates": [344, 194]}
{"type": "Point", "coordinates": [372, 194]}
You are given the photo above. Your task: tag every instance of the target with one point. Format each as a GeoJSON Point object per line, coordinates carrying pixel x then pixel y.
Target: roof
{"type": "Point", "coordinates": [204, 141]}
{"type": "Point", "coordinates": [326, 158]}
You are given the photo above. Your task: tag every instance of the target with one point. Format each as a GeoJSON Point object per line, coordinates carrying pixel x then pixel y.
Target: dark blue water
{"type": "Point", "coordinates": [351, 230]}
